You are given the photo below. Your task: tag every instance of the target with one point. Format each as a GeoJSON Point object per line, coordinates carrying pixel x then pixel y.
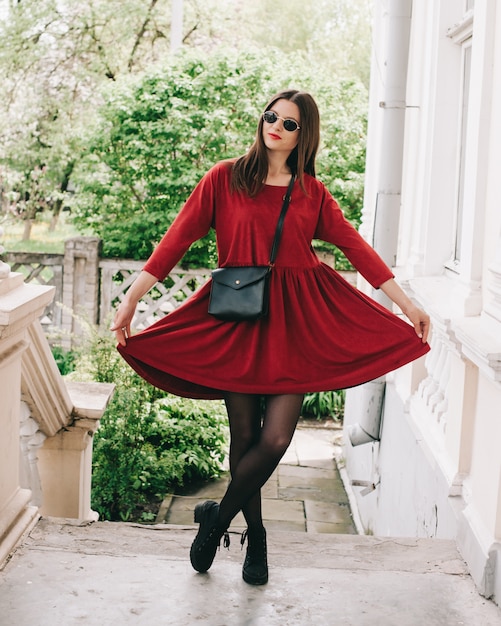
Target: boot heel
{"type": "Point", "coordinates": [204, 547]}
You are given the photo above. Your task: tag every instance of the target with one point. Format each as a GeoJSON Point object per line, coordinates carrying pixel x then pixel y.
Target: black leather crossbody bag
{"type": "Point", "coordinates": [242, 293]}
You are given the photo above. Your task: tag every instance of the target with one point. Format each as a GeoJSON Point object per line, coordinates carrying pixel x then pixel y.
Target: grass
{"type": "Point", "coordinates": [41, 240]}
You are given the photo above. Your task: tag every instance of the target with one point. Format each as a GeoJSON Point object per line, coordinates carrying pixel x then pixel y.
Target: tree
{"type": "Point", "coordinates": [335, 36]}
{"type": "Point", "coordinates": [55, 60]}
{"type": "Point", "coordinates": [158, 137]}
{"type": "Point", "coordinates": [61, 59]}
{"type": "Point", "coordinates": [162, 133]}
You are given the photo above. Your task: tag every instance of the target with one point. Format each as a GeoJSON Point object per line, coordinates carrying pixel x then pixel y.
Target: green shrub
{"type": "Point", "coordinates": [65, 359]}
{"type": "Point", "coordinates": [195, 430]}
{"type": "Point", "coordinates": [143, 451]}
{"type": "Point", "coordinates": [324, 404]}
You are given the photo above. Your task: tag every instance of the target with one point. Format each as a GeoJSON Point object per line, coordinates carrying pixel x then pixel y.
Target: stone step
{"type": "Point", "coordinates": [106, 573]}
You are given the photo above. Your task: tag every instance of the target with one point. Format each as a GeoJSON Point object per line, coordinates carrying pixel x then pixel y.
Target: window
{"type": "Point", "coordinates": [461, 34]}
{"type": "Point", "coordinates": [465, 90]}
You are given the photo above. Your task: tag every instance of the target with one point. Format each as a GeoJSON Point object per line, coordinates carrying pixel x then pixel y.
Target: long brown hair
{"type": "Point", "coordinates": [251, 170]}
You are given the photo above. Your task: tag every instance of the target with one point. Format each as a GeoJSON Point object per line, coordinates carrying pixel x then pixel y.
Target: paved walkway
{"type": "Point", "coordinates": [305, 493]}
{"type": "Point", "coordinates": [101, 574]}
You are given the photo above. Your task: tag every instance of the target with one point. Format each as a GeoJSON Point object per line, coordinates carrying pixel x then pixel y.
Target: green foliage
{"type": "Point", "coordinates": [60, 61]}
{"type": "Point", "coordinates": [162, 133]}
{"type": "Point", "coordinates": [54, 61]}
{"type": "Point", "coordinates": [335, 37]}
{"type": "Point", "coordinates": [43, 239]}
{"type": "Point", "coordinates": [324, 404]}
{"type": "Point", "coordinates": [65, 359]}
{"type": "Point", "coordinates": [192, 431]}
{"type": "Point", "coordinates": [145, 450]}
{"type": "Point", "coordinates": [148, 443]}
{"type": "Point", "coordinates": [158, 139]}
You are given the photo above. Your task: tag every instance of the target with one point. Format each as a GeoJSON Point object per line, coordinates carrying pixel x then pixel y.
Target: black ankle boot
{"type": "Point", "coordinates": [204, 547]}
{"type": "Point", "coordinates": [255, 568]}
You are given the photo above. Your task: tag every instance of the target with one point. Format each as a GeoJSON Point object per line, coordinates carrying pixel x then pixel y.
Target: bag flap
{"type": "Point", "coordinates": [238, 277]}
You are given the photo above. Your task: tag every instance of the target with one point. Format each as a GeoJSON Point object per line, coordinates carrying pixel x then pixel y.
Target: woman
{"type": "Point", "coordinates": [320, 332]}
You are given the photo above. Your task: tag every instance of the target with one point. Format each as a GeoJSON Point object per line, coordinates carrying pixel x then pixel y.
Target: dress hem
{"type": "Point", "coordinates": [195, 390]}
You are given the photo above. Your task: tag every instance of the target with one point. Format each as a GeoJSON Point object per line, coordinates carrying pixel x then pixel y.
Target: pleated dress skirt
{"type": "Point", "coordinates": [321, 334]}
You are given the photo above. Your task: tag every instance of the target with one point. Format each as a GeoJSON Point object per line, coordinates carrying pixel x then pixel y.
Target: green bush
{"type": "Point", "coordinates": [144, 451]}
{"type": "Point", "coordinates": [149, 442]}
{"type": "Point", "coordinates": [65, 359]}
{"type": "Point", "coordinates": [324, 404]}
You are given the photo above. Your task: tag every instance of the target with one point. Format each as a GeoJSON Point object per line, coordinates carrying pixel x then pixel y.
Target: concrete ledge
{"type": "Point", "coordinates": [16, 519]}
{"type": "Point", "coordinates": [89, 399]}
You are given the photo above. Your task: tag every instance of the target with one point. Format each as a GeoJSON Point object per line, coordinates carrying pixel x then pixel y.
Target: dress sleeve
{"type": "Point", "coordinates": [192, 223]}
{"type": "Point", "coordinates": [334, 228]}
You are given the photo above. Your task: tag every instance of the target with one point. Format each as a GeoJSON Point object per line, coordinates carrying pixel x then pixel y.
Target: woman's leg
{"type": "Point", "coordinates": [255, 452]}
{"type": "Point", "coordinates": [244, 416]}
{"type": "Point", "coordinates": [255, 459]}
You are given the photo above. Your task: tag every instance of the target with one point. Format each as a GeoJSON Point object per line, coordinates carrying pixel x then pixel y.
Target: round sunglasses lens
{"type": "Point", "coordinates": [269, 117]}
{"type": "Point", "coordinates": [290, 125]}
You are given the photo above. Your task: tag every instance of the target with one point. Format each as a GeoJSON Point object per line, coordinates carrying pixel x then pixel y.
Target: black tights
{"type": "Point", "coordinates": [258, 442]}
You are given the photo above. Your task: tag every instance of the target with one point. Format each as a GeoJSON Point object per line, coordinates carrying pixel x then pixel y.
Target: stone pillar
{"type": "Point", "coordinates": [20, 305]}
{"type": "Point", "coordinates": [80, 286]}
{"type": "Point", "coordinates": [65, 459]}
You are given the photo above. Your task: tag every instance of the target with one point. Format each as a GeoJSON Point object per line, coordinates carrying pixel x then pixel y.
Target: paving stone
{"type": "Point", "coordinates": [285, 469]}
{"type": "Point", "coordinates": [303, 493]}
{"type": "Point", "coordinates": [327, 512]}
{"type": "Point", "coordinates": [299, 479]}
{"type": "Point", "coordinates": [314, 484]}
{"type": "Point", "coordinates": [210, 490]}
{"type": "Point", "coordinates": [313, 451]}
{"type": "Point", "coordinates": [288, 510]}
{"type": "Point", "coordinates": [285, 526]}
{"type": "Point", "coordinates": [290, 457]}
{"type": "Point", "coordinates": [328, 528]}
{"type": "Point", "coordinates": [270, 490]}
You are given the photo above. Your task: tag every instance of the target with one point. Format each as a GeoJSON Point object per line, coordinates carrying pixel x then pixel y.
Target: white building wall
{"type": "Point", "coordinates": [437, 468]}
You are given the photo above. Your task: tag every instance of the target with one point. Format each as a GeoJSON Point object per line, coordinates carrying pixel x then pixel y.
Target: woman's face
{"type": "Point", "coordinates": [275, 137]}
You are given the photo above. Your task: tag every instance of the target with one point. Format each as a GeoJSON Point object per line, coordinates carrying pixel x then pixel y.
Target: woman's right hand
{"type": "Point", "coordinates": [125, 312]}
{"type": "Point", "coordinates": [123, 320]}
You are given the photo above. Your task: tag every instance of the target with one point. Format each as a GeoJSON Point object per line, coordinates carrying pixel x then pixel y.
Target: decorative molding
{"type": "Point", "coordinates": [31, 440]}
{"type": "Point", "coordinates": [493, 306]}
{"type": "Point", "coordinates": [432, 391]}
{"type": "Point", "coordinates": [21, 304]}
{"type": "Point", "coordinates": [42, 386]}
{"type": "Point", "coordinates": [463, 30]}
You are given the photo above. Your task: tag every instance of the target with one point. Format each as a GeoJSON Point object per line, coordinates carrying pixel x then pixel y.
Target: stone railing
{"type": "Point", "coordinates": [117, 275]}
{"type": "Point", "coordinates": [88, 287]}
{"type": "Point", "coordinates": [46, 425]}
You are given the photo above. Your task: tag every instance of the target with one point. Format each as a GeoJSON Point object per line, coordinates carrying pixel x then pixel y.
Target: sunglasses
{"type": "Point", "coordinates": [271, 117]}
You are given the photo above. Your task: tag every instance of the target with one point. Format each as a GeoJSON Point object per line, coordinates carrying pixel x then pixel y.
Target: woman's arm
{"type": "Point", "coordinates": [125, 312]}
{"type": "Point", "coordinates": [419, 319]}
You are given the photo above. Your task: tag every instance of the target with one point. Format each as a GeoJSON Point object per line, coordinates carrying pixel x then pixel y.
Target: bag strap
{"type": "Point", "coordinates": [280, 224]}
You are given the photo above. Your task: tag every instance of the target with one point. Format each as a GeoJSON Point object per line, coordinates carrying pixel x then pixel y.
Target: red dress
{"type": "Point", "coordinates": [320, 334]}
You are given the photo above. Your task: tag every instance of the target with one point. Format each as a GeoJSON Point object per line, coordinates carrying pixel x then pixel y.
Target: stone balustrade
{"type": "Point", "coordinates": [46, 425]}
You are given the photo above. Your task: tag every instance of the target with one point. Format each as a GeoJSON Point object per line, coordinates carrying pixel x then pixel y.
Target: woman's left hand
{"type": "Point", "coordinates": [421, 322]}
{"type": "Point", "coordinates": [419, 319]}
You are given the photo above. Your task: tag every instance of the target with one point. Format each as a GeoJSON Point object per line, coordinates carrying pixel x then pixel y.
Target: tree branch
{"type": "Point", "coordinates": [141, 34]}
